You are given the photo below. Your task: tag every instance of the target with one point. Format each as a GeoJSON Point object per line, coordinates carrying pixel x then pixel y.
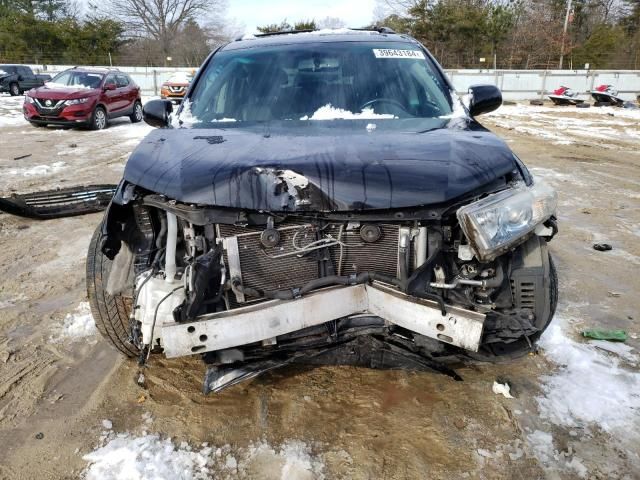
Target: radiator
{"type": "Point", "coordinates": [280, 267]}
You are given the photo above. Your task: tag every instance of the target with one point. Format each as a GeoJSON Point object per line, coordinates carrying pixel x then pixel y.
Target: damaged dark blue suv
{"type": "Point", "coordinates": [324, 198]}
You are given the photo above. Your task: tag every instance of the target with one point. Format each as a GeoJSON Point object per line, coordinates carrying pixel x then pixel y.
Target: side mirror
{"type": "Point", "coordinates": [484, 99]}
{"type": "Point", "coordinates": [110, 86]}
{"type": "Point", "coordinates": [156, 113]}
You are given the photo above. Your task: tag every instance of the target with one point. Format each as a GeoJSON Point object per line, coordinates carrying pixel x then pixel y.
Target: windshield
{"type": "Point", "coordinates": [76, 80]}
{"type": "Point", "coordinates": [323, 81]}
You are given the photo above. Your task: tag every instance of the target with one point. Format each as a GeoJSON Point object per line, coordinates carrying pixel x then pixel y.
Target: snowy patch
{"type": "Point", "coordinates": [79, 324]}
{"type": "Point", "coordinates": [567, 125]}
{"type": "Point", "coordinates": [37, 170]}
{"type": "Point", "coordinates": [125, 456]}
{"type": "Point", "coordinates": [185, 118]}
{"type": "Point", "coordinates": [64, 86]}
{"type": "Point", "coordinates": [11, 111]}
{"type": "Point", "coordinates": [458, 107]}
{"type": "Point", "coordinates": [541, 446]}
{"type": "Point", "coordinates": [329, 112]}
{"type": "Point", "coordinates": [590, 388]}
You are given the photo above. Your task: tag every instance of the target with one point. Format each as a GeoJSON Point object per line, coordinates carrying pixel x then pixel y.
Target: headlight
{"type": "Point", "coordinates": [496, 222]}
{"type": "Point", "coordinates": [28, 99]}
{"type": "Point", "coordinates": [76, 101]}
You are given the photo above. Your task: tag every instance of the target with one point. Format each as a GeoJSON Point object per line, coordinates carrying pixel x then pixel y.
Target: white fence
{"type": "Point", "coordinates": [515, 84]}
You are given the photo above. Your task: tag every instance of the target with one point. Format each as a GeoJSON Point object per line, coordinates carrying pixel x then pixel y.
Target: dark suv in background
{"type": "Point", "coordinates": [16, 79]}
{"type": "Point", "coordinates": [84, 97]}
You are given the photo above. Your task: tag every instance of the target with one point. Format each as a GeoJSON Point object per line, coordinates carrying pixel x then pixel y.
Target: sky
{"type": "Point", "coordinates": [251, 13]}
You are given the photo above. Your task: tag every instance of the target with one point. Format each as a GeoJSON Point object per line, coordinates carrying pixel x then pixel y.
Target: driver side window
{"type": "Point", "coordinates": [111, 78]}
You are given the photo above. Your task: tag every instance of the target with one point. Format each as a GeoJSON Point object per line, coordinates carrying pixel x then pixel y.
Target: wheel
{"type": "Point", "coordinates": [536, 102]}
{"type": "Point", "coordinates": [498, 352]}
{"type": "Point", "coordinates": [602, 104]}
{"type": "Point", "coordinates": [110, 313]}
{"type": "Point", "coordinates": [99, 119]}
{"type": "Point", "coordinates": [136, 116]}
{"type": "Point", "coordinates": [582, 105]}
{"type": "Point", "coordinates": [14, 89]}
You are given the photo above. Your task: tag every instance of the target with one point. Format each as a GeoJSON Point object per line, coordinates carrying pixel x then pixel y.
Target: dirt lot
{"type": "Point", "coordinates": [64, 392]}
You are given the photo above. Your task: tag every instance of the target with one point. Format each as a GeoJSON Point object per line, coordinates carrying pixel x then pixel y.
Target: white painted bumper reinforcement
{"type": "Point", "coordinates": [268, 320]}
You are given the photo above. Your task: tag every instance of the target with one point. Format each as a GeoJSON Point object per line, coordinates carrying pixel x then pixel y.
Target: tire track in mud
{"type": "Point", "coordinates": [23, 381]}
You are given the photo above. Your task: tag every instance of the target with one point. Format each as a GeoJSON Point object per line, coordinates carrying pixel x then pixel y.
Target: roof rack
{"type": "Point", "coordinates": [286, 32]}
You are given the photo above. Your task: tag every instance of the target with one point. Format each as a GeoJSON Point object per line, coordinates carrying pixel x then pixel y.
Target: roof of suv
{"type": "Point", "coordinates": [328, 36]}
{"type": "Point", "coordinates": [95, 70]}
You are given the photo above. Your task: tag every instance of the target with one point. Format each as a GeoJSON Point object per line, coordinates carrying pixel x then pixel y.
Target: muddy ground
{"type": "Point", "coordinates": [55, 391]}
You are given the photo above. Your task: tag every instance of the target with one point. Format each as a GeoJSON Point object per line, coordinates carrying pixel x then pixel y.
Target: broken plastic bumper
{"type": "Point", "coordinates": [268, 320]}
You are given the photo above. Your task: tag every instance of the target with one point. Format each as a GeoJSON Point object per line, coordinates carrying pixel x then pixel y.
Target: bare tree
{"type": "Point", "coordinates": [331, 22]}
{"type": "Point", "coordinates": [161, 20]}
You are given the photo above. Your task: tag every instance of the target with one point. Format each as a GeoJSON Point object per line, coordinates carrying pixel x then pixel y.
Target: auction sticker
{"type": "Point", "coordinates": [391, 53]}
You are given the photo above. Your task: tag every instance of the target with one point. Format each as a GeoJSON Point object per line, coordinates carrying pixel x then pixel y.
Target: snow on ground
{"type": "Point", "coordinates": [130, 457]}
{"type": "Point", "coordinates": [568, 125]}
{"type": "Point", "coordinates": [78, 324]}
{"type": "Point", "coordinates": [36, 170]}
{"type": "Point", "coordinates": [11, 111]}
{"type": "Point", "coordinates": [593, 388]}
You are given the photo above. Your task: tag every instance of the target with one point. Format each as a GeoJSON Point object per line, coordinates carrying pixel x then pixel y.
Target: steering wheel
{"type": "Point", "coordinates": [390, 101]}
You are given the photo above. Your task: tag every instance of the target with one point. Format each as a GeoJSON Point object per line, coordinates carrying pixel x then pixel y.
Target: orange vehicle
{"type": "Point", "coordinates": [176, 87]}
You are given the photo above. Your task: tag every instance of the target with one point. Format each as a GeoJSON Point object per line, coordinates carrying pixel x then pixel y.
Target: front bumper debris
{"type": "Point", "coordinates": [59, 203]}
{"type": "Point", "coordinates": [268, 320]}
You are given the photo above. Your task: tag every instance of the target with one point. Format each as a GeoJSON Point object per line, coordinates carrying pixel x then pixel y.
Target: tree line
{"type": "Point", "coordinates": [521, 34]}
{"type": "Point", "coordinates": [116, 32]}
{"type": "Point", "coordinates": [515, 34]}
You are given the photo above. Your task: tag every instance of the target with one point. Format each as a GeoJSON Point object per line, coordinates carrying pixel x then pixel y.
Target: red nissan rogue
{"type": "Point", "coordinates": [83, 97]}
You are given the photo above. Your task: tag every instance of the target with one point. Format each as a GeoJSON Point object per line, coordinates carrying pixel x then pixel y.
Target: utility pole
{"type": "Point", "coordinates": [564, 32]}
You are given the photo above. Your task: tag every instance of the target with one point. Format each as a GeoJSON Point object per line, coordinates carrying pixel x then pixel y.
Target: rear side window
{"type": "Point", "coordinates": [122, 81]}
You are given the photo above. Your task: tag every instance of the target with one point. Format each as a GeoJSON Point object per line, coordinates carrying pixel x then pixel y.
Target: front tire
{"type": "Point", "coordinates": [14, 89]}
{"type": "Point", "coordinates": [136, 116]}
{"type": "Point", "coordinates": [99, 119]}
{"type": "Point", "coordinates": [110, 312]}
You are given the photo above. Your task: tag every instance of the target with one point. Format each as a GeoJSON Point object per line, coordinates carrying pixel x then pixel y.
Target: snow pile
{"type": "Point", "coordinates": [37, 170]}
{"type": "Point", "coordinates": [590, 388]}
{"type": "Point", "coordinates": [329, 112]}
{"type": "Point", "coordinates": [125, 456]}
{"type": "Point", "coordinates": [80, 323]}
{"type": "Point", "coordinates": [185, 118]}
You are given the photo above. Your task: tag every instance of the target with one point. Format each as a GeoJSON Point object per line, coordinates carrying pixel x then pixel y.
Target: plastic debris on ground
{"type": "Point", "coordinates": [610, 335]}
{"type": "Point", "coordinates": [502, 389]}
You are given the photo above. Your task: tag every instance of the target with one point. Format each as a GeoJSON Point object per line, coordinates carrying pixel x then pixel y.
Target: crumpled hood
{"type": "Point", "coordinates": [316, 168]}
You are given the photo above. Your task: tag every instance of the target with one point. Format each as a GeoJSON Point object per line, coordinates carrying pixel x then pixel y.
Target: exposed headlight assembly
{"type": "Point", "coordinates": [495, 223]}
{"type": "Point", "coordinates": [76, 101]}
